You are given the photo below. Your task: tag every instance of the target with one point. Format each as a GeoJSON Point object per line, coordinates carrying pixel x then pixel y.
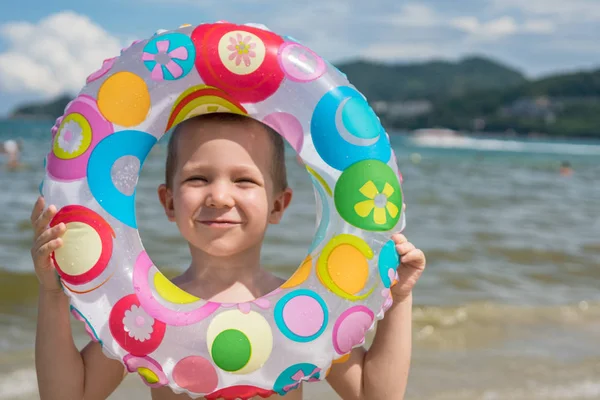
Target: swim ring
{"type": "Point", "coordinates": [166, 335]}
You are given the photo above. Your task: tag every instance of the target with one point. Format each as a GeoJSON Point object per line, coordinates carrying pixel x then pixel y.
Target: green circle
{"type": "Point", "coordinates": [231, 350]}
{"type": "Point", "coordinates": [348, 195]}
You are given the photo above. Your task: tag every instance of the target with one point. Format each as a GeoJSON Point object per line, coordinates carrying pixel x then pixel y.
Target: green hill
{"type": "Point", "coordinates": [431, 80]}
{"type": "Point", "coordinates": [565, 105]}
{"type": "Point", "coordinates": [472, 94]}
{"type": "Point", "coordinates": [43, 110]}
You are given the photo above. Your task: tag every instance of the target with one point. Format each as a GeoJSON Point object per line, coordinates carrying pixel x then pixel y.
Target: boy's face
{"type": "Point", "coordinates": [223, 196]}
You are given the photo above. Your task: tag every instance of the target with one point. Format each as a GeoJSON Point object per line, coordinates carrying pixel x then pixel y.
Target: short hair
{"type": "Point", "coordinates": [278, 170]}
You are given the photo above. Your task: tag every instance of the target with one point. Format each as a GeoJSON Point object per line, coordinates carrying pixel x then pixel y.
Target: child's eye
{"type": "Point", "coordinates": [246, 180]}
{"type": "Point", "coordinates": [197, 178]}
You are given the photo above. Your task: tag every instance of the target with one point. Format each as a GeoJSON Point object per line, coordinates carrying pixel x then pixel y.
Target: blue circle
{"type": "Point", "coordinates": [360, 119]}
{"type": "Point", "coordinates": [110, 149]}
{"type": "Point", "coordinates": [325, 216]}
{"type": "Point", "coordinates": [278, 315]}
{"type": "Point", "coordinates": [371, 140]}
{"type": "Point", "coordinates": [285, 382]}
{"type": "Point", "coordinates": [388, 259]}
{"type": "Point", "coordinates": [179, 43]}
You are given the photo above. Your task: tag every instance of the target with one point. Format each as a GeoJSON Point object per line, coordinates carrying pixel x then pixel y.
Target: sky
{"type": "Point", "coordinates": [49, 47]}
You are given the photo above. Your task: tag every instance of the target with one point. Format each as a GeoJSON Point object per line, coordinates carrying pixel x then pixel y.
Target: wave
{"type": "Point", "coordinates": [473, 143]}
{"type": "Point", "coordinates": [18, 383]}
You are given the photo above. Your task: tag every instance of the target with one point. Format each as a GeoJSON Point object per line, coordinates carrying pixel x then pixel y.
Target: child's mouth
{"type": "Point", "coordinates": [220, 224]}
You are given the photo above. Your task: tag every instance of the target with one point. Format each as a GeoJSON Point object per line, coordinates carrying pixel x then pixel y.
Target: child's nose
{"type": "Point", "coordinates": [219, 196]}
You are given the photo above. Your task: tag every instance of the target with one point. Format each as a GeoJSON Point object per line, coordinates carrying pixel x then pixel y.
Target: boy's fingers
{"type": "Point", "coordinates": [399, 238]}
{"type": "Point", "coordinates": [404, 248]}
{"type": "Point", "coordinates": [413, 256]}
{"type": "Point", "coordinates": [38, 208]}
{"type": "Point", "coordinates": [50, 234]}
{"type": "Point", "coordinates": [45, 251]}
{"type": "Point", "coordinates": [44, 219]}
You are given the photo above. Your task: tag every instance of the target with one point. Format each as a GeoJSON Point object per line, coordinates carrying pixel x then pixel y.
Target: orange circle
{"type": "Point", "coordinates": [300, 275]}
{"type": "Point", "coordinates": [124, 99]}
{"type": "Point", "coordinates": [348, 268]}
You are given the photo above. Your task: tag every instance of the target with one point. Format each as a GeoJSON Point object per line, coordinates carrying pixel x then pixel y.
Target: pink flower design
{"type": "Point", "coordinates": [241, 49]}
{"type": "Point", "coordinates": [261, 302]}
{"type": "Point", "coordinates": [164, 57]}
{"type": "Point", "coordinates": [299, 377]}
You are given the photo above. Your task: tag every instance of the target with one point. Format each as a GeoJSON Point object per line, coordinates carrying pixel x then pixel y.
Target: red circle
{"type": "Point", "coordinates": [187, 371]}
{"type": "Point", "coordinates": [77, 213]}
{"type": "Point", "coordinates": [132, 345]}
{"type": "Point", "coordinates": [244, 392]}
{"type": "Point", "coordinates": [250, 88]}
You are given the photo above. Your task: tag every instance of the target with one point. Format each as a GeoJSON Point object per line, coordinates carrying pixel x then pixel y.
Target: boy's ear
{"type": "Point", "coordinates": [281, 202]}
{"type": "Point", "coordinates": [166, 199]}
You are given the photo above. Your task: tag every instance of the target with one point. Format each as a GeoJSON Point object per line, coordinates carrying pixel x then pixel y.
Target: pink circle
{"type": "Point", "coordinates": [300, 63]}
{"type": "Point", "coordinates": [350, 328]}
{"type": "Point", "coordinates": [76, 168]}
{"type": "Point", "coordinates": [303, 315]}
{"type": "Point", "coordinates": [287, 126]}
{"type": "Point", "coordinates": [106, 66]}
{"type": "Point", "coordinates": [196, 374]}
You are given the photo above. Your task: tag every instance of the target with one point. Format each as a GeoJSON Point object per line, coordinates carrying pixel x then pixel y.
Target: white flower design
{"type": "Point", "coordinates": [70, 137]}
{"type": "Point", "coordinates": [138, 324]}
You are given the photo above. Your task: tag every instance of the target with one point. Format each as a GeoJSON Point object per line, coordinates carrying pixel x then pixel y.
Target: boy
{"type": "Point", "coordinates": [225, 183]}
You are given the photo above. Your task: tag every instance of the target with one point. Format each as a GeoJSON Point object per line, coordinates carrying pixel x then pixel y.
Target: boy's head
{"type": "Point", "coordinates": [276, 151]}
{"type": "Point", "coordinates": [225, 181]}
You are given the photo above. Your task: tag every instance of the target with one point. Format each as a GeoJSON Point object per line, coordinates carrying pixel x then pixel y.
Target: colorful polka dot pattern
{"type": "Point", "coordinates": [172, 338]}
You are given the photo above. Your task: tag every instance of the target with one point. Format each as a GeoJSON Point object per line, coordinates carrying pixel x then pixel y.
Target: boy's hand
{"type": "Point", "coordinates": [412, 264]}
{"type": "Point", "coordinates": [45, 241]}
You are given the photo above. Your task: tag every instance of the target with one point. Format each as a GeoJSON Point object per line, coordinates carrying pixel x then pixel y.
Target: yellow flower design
{"type": "Point", "coordinates": [377, 201]}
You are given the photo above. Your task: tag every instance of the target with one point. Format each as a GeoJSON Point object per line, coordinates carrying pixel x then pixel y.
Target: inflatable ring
{"type": "Point", "coordinates": [274, 343]}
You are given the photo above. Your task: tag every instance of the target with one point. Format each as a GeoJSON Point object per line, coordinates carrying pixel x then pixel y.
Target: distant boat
{"type": "Point", "coordinates": [437, 137]}
{"type": "Point", "coordinates": [435, 132]}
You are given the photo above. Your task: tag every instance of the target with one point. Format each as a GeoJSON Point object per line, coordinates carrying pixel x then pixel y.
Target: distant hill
{"type": "Point", "coordinates": [565, 105]}
{"type": "Point", "coordinates": [43, 110]}
{"type": "Point", "coordinates": [431, 80]}
{"type": "Point", "coordinates": [474, 94]}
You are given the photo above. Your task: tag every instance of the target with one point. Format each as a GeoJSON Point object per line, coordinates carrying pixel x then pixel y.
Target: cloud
{"type": "Point", "coordinates": [54, 55]}
{"type": "Point", "coordinates": [500, 27]}
{"type": "Point", "coordinates": [411, 15]}
{"type": "Point", "coordinates": [565, 11]}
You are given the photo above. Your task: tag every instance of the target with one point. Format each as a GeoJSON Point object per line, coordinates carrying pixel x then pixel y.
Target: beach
{"type": "Point", "coordinates": [508, 308]}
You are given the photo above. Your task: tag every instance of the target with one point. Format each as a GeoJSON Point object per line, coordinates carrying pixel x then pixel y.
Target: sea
{"type": "Point", "coordinates": [509, 304]}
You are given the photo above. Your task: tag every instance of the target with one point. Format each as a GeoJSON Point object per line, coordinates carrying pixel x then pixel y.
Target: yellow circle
{"type": "Point", "coordinates": [300, 275]}
{"type": "Point", "coordinates": [124, 99]}
{"type": "Point", "coordinates": [81, 249]}
{"type": "Point", "coordinates": [348, 268]}
{"type": "Point", "coordinates": [332, 276]}
{"type": "Point", "coordinates": [206, 105]}
{"type": "Point", "coordinates": [236, 54]}
{"type": "Point", "coordinates": [148, 375]}
{"type": "Point", "coordinates": [170, 292]}
{"type": "Point", "coordinates": [254, 326]}
{"type": "Point", "coordinates": [80, 138]}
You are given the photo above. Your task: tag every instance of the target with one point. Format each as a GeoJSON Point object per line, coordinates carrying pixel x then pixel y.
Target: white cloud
{"type": "Point", "coordinates": [542, 26]}
{"type": "Point", "coordinates": [54, 55]}
{"type": "Point", "coordinates": [407, 51]}
{"type": "Point", "coordinates": [500, 27]}
{"type": "Point", "coordinates": [412, 15]}
{"type": "Point", "coordinates": [560, 10]}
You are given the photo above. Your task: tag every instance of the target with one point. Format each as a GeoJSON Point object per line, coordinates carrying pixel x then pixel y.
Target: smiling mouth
{"type": "Point", "coordinates": [220, 223]}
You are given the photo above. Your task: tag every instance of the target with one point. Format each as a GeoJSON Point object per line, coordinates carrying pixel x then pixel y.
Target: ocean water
{"type": "Point", "coordinates": [508, 308]}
